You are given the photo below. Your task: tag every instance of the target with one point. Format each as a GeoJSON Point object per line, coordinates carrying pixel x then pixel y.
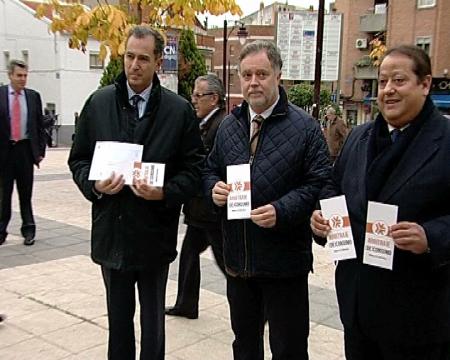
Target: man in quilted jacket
{"type": "Point", "coordinates": [268, 256]}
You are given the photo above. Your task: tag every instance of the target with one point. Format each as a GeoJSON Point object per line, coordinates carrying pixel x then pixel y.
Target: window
{"type": "Point", "coordinates": [94, 60]}
{"type": "Point", "coordinates": [425, 3]}
{"type": "Point", "coordinates": [424, 42]}
{"type": "Point", "coordinates": [6, 58]}
{"type": "Point", "coordinates": [25, 56]}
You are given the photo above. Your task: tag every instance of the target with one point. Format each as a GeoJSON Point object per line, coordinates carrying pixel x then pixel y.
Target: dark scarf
{"type": "Point", "coordinates": [383, 155]}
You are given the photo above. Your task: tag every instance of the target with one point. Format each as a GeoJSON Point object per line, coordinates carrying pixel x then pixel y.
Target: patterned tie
{"type": "Point", "coordinates": [395, 134]}
{"type": "Point", "coordinates": [255, 130]}
{"type": "Point", "coordinates": [136, 99]}
{"type": "Point", "coordinates": [15, 118]}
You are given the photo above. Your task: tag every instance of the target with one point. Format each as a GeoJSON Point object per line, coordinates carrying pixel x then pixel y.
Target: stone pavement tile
{"type": "Point", "coordinates": [95, 353]}
{"type": "Point", "coordinates": [64, 240]}
{"type": "Point", "coordinates": [60, 296]}
{"type": "Point", "coordinates": [327, 341]}
{"type": "Point", "coordinates": [78, 337]}
{"type": "Point", "coordinates": [35, 348]}
{"type": "Point", "coordinates": [177, 338]}
{"type": "Point", "coordinates": [209, 348]}
{"type": "Point", "coordinates": [225, 336]}
{"type": "Point", "coordinates": [13, 261]}
{"type": "Point", "coordinates": [101, 321]}
{"type": "Point", "coordinates": [53, 254]}
{"type": "Point", "coordinates": [42, 322]}
{"type": "Point", "coordinates": [206, 324]}
{"type": "Point", "coordinates": [210, 299]}
{"type": "Point", "coordinates": [10, 335]}
{"type": "Point", "coordinates": [19, 305]}
{"type": "Point", "coordinates": [221, 310]}
{"type": "Point", "coordinates": [319, 312]}
{"type": "Point", "coordinates": [92, 307]}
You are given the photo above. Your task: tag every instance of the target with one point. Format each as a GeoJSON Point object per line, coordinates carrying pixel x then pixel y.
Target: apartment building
{"type": "Point", "coordinates": [420, 22]}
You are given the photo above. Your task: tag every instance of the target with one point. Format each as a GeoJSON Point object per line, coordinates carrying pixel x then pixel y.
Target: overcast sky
{"type": "Point", "coordinates": [250, 6]}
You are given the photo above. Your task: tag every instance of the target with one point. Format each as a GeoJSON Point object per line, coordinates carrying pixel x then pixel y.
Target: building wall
{"type": "Point", "coordinates": [405, 22]}
{"type": "Point", "coordinates": [234, 47]}
{"type": "Point", "coordinates": [61, 75]}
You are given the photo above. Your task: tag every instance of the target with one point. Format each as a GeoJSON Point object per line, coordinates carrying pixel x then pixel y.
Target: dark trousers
{"type": "Point", "coordinates": [358, 346]}
{"type": "Point", "coordinates": [283, 303]}
{"type": "Point", "coordinates": [18, 167]}
{"type": "Point", "coordinates": [195, 242]}
{"type": "Point", "coordinates": [120, 298]}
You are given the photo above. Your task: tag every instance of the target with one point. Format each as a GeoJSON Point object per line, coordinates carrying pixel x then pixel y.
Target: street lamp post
{"type": "Point", "coordinates": [242, 34]}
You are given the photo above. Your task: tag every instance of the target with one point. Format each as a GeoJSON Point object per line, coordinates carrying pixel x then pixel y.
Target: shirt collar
{"type": "Point", "coordinates": [390, 127]}
{"type": "Point", "coordinates": [12, 91]}
{"type": "Point", "coordinates": [144, 94]}
{"type": "Point", "coordinates": [266, 113]}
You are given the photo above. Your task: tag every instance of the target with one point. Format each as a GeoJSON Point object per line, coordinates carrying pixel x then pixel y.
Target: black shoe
{"type": "Point", "coordinates": [174, 311]}
{"type": "Point", "coordinates": [2, 239]}
{"type": "Point", "coordinates": [29, 240]}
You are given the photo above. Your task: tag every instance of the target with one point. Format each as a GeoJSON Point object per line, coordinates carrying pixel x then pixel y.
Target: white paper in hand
{"type": "Point", "coordinates": [340, 239]}
{"type": "Point", "coordinates": [379, 247]}
{"type": "Point", "coordinates": [117, 157]}
{"type": "Point", "coordinates": [239, 202]}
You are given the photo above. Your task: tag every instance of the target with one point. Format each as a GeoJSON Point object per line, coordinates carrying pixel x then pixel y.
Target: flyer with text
{"type": "Point", "coordinates": [239, 202]}
{"type": "Point", "coordinates": [379, 246]}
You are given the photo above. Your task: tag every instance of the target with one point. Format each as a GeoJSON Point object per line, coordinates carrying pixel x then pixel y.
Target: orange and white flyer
{"type": "Point", "coordinates": [239, 202]}
{"type": "Point", "coordinates": [151, 173]}
{"type": "Point", "coordinates": [379, 246]}
{"type": "Point", "coordinates": [340, 238]}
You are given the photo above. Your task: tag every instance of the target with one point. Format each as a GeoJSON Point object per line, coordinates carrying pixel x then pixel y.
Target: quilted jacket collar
{"type": "Point", "coordinates": [241, 112]}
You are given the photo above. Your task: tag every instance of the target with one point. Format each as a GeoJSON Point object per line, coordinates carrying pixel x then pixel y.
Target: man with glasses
{"type": "Point", "coordinates": [203, 223]}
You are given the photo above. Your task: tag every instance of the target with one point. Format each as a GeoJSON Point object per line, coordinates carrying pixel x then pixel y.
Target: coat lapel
{"type": "Point", "coordinates": [4, 109]}
{"type": "Point", "coordinates": [420, 151]}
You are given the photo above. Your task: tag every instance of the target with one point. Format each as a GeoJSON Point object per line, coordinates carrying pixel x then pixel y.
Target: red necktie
{"type": "Point", "coordinates": [16, 123]}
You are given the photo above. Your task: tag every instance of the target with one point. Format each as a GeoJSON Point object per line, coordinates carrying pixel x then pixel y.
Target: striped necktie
{"type": "Point", "coordinates": [255, 130]}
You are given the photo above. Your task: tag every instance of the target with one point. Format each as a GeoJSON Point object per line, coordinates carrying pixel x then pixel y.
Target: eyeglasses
{"type": "Point", "coordinates": [200, 95]}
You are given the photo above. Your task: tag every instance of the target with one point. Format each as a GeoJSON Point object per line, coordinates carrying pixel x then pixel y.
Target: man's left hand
{"type": "Point", "coordinates": [264, 216]}
{"type": "Point", "coordinates": [410, 237]}
{"type": "Point", "coordinates": [147, 192]}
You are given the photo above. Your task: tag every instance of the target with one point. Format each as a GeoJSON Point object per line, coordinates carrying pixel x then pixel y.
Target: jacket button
{"type": "Point", "coordinates": [119, 217]}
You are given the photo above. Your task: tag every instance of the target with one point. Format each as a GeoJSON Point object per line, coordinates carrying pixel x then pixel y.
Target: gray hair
{"type": "Point", "coordinates": [215, 86]}
{"type": "Point", "coordinates": [142, 31]}
{"type": "Point", "coordinates": [16, 63]}
{"type": "Point", "coordinates": [273, 53]}
{"type": "Point", "coordinates": [331, 110]}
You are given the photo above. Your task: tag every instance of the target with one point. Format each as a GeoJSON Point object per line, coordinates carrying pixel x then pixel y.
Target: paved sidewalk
{"type": "Point", "coordinates": [53, 294]}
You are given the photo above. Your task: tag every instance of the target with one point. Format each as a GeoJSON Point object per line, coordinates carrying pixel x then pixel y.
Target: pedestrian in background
{"type": "Point", "coordinates": [335, 132]}
{"type": "Point", "coordinates": [22, 145]}
{"type": "Point", "coordinates": [134, 228]}
{"type": "Point", "coordinates": [402, 158]}
{"type": "Point", "coordinates": [268, 257]}
{"type": "Point", "coordinates": [204, 229]}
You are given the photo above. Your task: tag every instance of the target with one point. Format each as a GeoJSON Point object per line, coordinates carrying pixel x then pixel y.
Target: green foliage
{"type": "Point", "coordinates": [192, 63]}
{"type": "Point", "coordinates": [112, 70]}
{"type": "Point", "coordinates": [301, 95]}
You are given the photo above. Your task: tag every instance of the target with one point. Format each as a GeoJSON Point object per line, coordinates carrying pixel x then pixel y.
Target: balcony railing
{"type": "Point", "coordinates": [372, 23]}
{"type": "Point", "coordinates": [365, 72]}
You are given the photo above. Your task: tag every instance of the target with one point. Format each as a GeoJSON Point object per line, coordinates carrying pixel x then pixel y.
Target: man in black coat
{"type": "Point", "coordinates": [22, 145]}
{"type": "Point", "coordinates": [134, 228]}
{"type": "Point", "coordinates": [208, 98]}
{"type": "Point", "coordinates": [402, 158]}
{"type": "Point", "coordinates": [268, 257]}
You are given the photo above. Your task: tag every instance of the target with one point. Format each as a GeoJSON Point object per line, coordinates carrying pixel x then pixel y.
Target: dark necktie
{"type": "Point", "coordinates": [255, 130]}
{"type": "Point", "coordinates": [395, 134]}
{"type": "Point", "coordinates": [132, 121]}
{"type": "Point", "coordinates": [135, 100]}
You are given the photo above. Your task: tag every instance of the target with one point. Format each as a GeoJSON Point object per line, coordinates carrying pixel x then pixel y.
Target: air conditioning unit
{"type": "Point", "coordinates": [361, 44]}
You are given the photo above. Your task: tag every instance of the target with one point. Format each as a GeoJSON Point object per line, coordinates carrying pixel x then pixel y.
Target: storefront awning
{"type": "Point", "coordinates": [441, 101]}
